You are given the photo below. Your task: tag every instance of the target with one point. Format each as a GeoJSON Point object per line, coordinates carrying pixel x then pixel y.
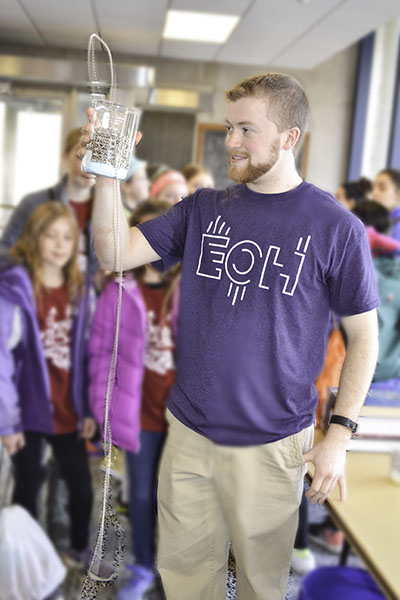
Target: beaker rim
{"type": "Point", "coordinates": [117, 105]}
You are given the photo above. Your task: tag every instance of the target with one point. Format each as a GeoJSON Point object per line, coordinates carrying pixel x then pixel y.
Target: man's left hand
{"type": "Point", "coordinates": [329, 459]}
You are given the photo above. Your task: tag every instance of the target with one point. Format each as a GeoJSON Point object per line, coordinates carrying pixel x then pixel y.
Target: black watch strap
{"type": "Point", "coordinates": [339, 420]}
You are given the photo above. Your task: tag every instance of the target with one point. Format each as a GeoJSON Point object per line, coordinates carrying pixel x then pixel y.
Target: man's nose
{"type": "Point", "coordinates": [233, 140]}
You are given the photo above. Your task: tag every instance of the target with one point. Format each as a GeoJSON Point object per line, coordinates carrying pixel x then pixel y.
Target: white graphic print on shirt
{"type": "Point", "coordinates": [215, 258]}
{"type": "Point", "coordinates": [56, 339]}
{"type": "Point", "coordinates": [158, 352]}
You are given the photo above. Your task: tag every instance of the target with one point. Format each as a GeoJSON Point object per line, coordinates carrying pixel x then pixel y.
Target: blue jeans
{"type": "Point", "coordinates": [143, 472]}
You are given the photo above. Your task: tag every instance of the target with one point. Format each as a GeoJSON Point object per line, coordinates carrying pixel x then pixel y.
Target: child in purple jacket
{"type": "Point", "coordinates": [145, 372]}
{"type": "Point", "coordinates": [43, 396]}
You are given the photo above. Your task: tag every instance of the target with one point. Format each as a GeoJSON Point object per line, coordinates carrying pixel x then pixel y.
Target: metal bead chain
{"type": "Point", "coordinates": [109, 147]}
{"type": "Point", "coordinates": [90, 586]}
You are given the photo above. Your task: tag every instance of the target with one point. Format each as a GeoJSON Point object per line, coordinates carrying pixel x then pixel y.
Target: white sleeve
{"type": "Point", "coordinates": [16, 329]}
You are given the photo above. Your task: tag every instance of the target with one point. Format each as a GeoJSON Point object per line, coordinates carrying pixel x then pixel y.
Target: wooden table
{"type": "Point", "coordinates": [370, 517]}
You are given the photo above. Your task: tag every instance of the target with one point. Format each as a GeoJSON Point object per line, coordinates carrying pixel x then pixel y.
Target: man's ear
{"type": "Point", "coordinates": [291, 137]}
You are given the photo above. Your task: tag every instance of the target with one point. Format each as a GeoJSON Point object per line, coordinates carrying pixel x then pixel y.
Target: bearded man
{"type": "Point", "coordinates": [263, 265]}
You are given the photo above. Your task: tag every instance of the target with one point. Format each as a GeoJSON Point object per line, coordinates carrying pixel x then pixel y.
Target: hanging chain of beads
{"type": "Point", "coordinates": [99, 573]}
{"type": "Point", "coordinates": [109, 147]}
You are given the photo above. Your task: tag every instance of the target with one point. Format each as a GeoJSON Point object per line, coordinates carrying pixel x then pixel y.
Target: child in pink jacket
{"type": "Point", "coordinates": [145, 372]}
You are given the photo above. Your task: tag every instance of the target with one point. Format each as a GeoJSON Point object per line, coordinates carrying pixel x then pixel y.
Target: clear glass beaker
{"type": "Point", "coordinates": [109, 151]}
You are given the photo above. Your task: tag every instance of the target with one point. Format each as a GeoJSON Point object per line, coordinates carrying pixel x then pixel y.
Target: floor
{"type": "Point", "coordinates": [56, 523]}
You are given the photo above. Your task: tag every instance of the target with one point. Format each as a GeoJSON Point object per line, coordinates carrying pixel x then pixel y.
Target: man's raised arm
{"type": "Point", "coordinates": [135, 249]}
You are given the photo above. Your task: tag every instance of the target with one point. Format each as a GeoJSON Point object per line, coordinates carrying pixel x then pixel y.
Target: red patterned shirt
{"type": "Point", "coordinates": [55, 324]}
{"type": "Point", "coordinates": [159, 373]}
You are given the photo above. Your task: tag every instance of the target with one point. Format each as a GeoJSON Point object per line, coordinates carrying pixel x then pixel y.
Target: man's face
{"type": "Point", "coordinates": [252, 140]}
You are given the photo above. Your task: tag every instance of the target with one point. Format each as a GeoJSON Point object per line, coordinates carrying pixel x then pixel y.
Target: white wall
{"type": "Point", "coordinates": [330, 88]}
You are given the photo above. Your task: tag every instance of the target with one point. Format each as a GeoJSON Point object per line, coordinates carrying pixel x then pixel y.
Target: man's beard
{"type": "Point", "coordinates": [253, 172]}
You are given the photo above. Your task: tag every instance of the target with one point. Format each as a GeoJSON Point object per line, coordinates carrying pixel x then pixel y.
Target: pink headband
{"type": "Point", "coordinates": [165, 179]}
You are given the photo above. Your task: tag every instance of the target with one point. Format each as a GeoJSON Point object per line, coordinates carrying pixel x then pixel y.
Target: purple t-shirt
{"type": "Point", "coordinates": [260, 274]}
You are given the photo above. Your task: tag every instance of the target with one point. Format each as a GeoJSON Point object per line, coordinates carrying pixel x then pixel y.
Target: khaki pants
{"type": "Point", "coordinates": [209, 494]}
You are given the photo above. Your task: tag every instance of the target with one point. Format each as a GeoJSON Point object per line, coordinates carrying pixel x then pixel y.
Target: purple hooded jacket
{"type": "Point", "coordinates": [124, 407]}
{"type": "Point", "coordinates": [25, 403]}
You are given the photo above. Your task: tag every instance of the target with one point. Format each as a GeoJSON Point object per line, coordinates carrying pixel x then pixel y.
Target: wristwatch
{"type": "Point", "coordinates": [339, 420]}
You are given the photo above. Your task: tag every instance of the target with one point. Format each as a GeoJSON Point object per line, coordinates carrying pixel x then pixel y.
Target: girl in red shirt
{"type": "Point", "coordinates": [44, 347]}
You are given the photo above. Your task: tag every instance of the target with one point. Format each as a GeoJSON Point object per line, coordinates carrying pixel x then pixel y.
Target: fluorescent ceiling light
{"type": "Point", "coordinates": [198, 26]}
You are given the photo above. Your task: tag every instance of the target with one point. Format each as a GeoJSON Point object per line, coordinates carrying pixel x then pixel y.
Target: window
{"type": "Point", "coordinates": [37, 152]}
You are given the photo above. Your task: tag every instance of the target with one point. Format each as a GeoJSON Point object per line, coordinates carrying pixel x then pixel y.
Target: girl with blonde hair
{"type": "Point", "coordinates": [44, 305]}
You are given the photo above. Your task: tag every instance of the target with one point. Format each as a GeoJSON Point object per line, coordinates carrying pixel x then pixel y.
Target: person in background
{"type": "Point", "coordinates": [385, 251]}
{"type": "Point", "coordinates": [146, 372]}
{"type": "Point", "coordinates": [169, 187]}
{"type": "Point", "coordinates": [153, 170]}
{"type": "Point", "coordinates": [349, 193]}
{"type": "Point", "coordinates": [303, 559]}
{"type": "Point", "coordinates": [136, 187]}
{"type": "Point", "coordinates": [197, 177]}
{"type": "Point", "coordinates": [386, 191]}
{"type": "Point", "coordinates": [378, 221]}
{"type": "Point", "coordinates": [43, 394]}
{"type": "Point", "coordinates": [75, 190]}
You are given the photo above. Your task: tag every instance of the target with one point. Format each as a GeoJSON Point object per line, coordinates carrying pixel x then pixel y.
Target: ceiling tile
{"type": "Point", "coordinates": [132, 27]}
{"type": "Point", "coordinates": [340, 29]}
{"type": "Point", "coordinates": [223, 7]}
{"type": "Point", "coordinates": [63, 24]}
{"type": "Point", "coordinates": [188, 50]}
{"type": "Point", "coordinates": [269, 26]}
{"type": "Point", "coordinates": [15, 26]}
{"type": "Point", "coordinates": [282, 33]}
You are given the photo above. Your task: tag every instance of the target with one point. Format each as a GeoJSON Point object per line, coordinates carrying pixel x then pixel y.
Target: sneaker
{"type": "Point", "coordinates": [303, 561]}
{"type": "Point", "coordinates": [138, 584]}
{"type": "Point", "coordinates": [326, 537]}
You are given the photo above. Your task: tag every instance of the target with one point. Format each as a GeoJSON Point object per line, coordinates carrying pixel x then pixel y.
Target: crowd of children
{"type": "Point", "coordinates": [56, 340]}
